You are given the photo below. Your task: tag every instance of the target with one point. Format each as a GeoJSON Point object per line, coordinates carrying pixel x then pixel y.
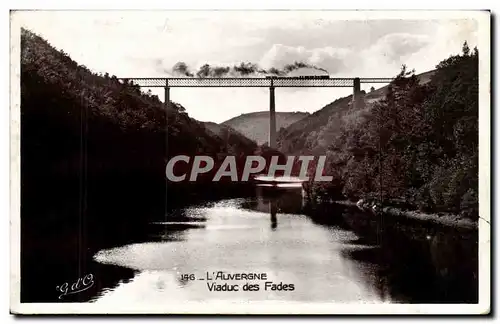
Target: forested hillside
{"type": "Point", "coordinates": [231, 137]}
{"type": "Point", "coordinates": [255, 125]}
{"type": "Point", "coordinates": [90, 139]}
{"type": "Point", "coordinates": [416, 147]}
{"type": "Point", "coordinates": [312, 134]}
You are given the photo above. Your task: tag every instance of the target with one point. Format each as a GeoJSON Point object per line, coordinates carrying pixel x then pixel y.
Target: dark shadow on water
{"type": "Point", "coordinates": [414, 262]}
{"type": "Point", "coordinates": [50, 261]}
{"type": "Point", "coordinates": [60, 235]}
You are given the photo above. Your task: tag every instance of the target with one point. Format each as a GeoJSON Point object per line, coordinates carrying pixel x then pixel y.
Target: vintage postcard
{"type": "Point", "coordinates": [250, 162]}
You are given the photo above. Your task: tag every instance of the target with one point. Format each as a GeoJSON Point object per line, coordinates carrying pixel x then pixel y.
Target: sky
{"type": "Point", "coordinates": [149, 43]}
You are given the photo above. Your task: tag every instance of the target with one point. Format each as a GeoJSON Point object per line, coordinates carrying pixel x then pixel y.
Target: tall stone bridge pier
{"type": "Point", "coordinates": [266, 82]}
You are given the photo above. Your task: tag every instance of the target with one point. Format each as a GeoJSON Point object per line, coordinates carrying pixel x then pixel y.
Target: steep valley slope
{"type": "Point", "coordinates": [317, 132]}
{"type": "Point", "coordinates": [255, 125]}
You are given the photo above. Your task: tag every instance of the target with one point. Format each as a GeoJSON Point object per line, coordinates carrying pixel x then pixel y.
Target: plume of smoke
{"type": "Point", "coordinates": [248, 68]}
{"type": "Point", "coordinates": [181, 68]}
{"type": "Point", "coordinates": [242, 69]}
{"type": "Point", "coordinates": [204, 71]}
{"type": "Point", "coordinates": [298, 65]}
{"type": "Point", "coordinates": [220, 71]}
{"type": "Point", "coordinates": [276, 72]}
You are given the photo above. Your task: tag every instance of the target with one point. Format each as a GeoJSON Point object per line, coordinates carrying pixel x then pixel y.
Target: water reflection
{"type": "Point", "coordinates": [46, 263]}
{"type": "Point", "coordinates": [275, 200]}
{"type": "Point", "coordinates": [416, 262]}
{"type": "Point", "coordinates": [242, 236]}
{"type": "Point", "coordinates": [331, 254]}
{"type": "Point", "coordinates": [274, 221]}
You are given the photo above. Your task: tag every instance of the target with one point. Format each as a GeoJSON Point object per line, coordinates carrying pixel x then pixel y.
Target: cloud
{"type": "Point", "coordinates": [385, 56]}
{"type": "Point", "coordinates": [327, 58]}
{"type": "Point", "coordinates": [382, 59]}
{"type": "Point", "coordinates": [397, 47]}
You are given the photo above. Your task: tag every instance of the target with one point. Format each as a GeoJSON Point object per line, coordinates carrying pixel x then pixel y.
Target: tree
{"type": "Point", "coordinates": [465, 49]}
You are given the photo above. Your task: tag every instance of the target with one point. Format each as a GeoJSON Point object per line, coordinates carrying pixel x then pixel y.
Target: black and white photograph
{"type": "Point", "coordinates": [250, 162]}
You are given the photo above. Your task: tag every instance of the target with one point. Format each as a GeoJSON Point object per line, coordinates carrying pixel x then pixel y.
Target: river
{"type": "Point", "coordinates": [328, 253]}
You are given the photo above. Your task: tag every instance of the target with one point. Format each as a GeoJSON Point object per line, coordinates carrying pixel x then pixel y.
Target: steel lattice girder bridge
{"type": "Point", "coordinates": [319, 81]}
{"type": "Point", "coordinates": [267, 82]}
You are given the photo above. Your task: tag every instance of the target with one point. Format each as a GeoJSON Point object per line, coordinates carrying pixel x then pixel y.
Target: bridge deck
{"type": "Point", "coordinates": [250, 82]}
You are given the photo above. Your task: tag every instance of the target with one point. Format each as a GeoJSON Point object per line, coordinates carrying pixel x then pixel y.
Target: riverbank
{"type": "Point", "coordinates": [446, 219]}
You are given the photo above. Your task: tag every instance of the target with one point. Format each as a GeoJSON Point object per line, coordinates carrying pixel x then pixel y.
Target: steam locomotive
{"type": "Point", "coordinates": [301, 77]}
